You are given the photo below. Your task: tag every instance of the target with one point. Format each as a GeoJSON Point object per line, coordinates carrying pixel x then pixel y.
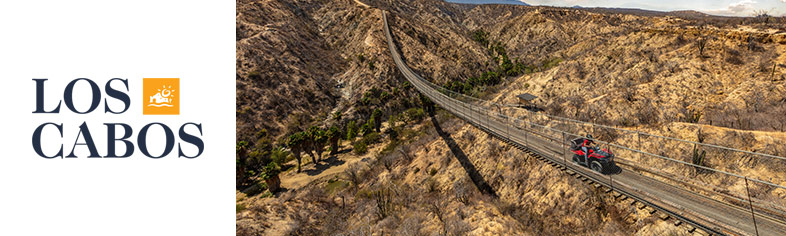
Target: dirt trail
{"type": "Point", "coordinates": [362, 4]}
{"type": "Point", "coordinates": [329, 165]}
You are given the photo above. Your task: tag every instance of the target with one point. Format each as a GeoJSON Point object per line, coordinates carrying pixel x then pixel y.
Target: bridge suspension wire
{"type": "Point", "coordinates": [450, 100]}
{"type": "Point", "coordinates": [606, 126]}
{"type": "Point", "coordinates": [488, 116]}
{"type": "Point", "coordinates": [442, 89]}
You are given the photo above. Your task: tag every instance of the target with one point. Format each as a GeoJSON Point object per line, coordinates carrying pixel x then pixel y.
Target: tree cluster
{"type": "Point", "coordinates": [505, 67]}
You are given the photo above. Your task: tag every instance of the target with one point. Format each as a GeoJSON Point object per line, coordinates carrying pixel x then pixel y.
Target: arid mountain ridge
{"type": "Point", "coordinates": [301, 61]}
{"type": "Point", "coordinates": [321, 71]}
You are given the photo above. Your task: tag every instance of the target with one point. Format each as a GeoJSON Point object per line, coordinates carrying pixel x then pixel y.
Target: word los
{"type": "Point", "coordinates": [111, 127]}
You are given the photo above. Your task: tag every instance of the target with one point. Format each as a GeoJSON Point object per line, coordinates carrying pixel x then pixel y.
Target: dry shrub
{"type": "Point", "coordinates": [606, 134]}
{"type": "Point", "coordinates": [388, 161]}
{"type": "Point", "coordinates": [463, 190]}
{"type": "Point", "coordinates": [411, 225]}
{"type": "Point", "coordinates": [242, 229]}
{"type": "Point", "coordinates": [555, 108]}
{"type": "Point", "coordinates": [733, 57]}
{"type": "Point", "coordinates": [354, 174]}
{"type": "Point", "coordinates": [438, 206]}
{"type": "Point", "coordinates": [432, 185]}
{"type": "Point", "coordinates": [575, 102]}
{"type": "Point", "coordinates": [405, 150]}
{"type": "Point", "coordinates": [762, 112]}
{"type": "Point", "coordinates": [336, 222]}
{"type": "Point", "coordinates": [469, 136]}
{"type": "Point", "coordinates": [595, 113]}
{"type": "Point", "coordinates": [456, 227]}
{"type": "Point", "coordinates": [648, 114]}
{"type": "Point", "coordinates": [523, 214]}
{"type": "Point", "coordinates": [629, 94]}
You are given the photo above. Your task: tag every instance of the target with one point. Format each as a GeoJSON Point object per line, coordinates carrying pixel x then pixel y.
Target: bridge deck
{"type": "Point", "coordinates": [704, 213]}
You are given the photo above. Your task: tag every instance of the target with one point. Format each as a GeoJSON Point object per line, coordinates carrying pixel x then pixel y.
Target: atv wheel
{"type": "Point", "coordinates": [596, 166]}
{"type": "Point", "coordinates": [576, 159]}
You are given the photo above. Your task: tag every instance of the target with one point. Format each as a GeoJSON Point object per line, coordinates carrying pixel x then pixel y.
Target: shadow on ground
{"type": "Point", "coordinates": [342, 151]}
{"type": "Point", "coordinates": [324, 164]}
{"type": "Point", "coordinates": [613, 170]}
{"type": "Point", "coordinates": [476, 178]}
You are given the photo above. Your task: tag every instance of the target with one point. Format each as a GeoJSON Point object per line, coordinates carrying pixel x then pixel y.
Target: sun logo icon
{"type": "Point", "coordinates": [160, 97]}
{"type": "Point", "coordinates": [163, 98]}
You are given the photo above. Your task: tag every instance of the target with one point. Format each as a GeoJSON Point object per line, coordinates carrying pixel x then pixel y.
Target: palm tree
{"type": "Point", "coordinates": [318, 139]}
{"type": "Point", "coordinates": [240, 162]}
{"type": "Point", "coordinates": [308, 144]}
{"type": "Point", "coordinates": [376, 116]}
{"type": "Point", "coordinates": [334, 136]}
{"type": "Point", "coordinates": [296, 144]}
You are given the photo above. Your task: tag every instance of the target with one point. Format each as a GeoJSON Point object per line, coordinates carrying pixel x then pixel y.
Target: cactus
{"type": "Point", "coordinates": [384, 203]}
{"type": "Point", "coordinates": [698, 159]}
{"type": "Point", "coordinates": [693, 116]}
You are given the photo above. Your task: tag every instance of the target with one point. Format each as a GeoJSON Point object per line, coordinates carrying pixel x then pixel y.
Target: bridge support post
{"type": "Point", "coordinates": [507, 128]}
{"type": "Point", "coordinates": [526, 135]}
{"type": "Point", "coordinates": [488, 120]}
{"type": "Point", "coordinates": [638, 134]}
{"type": "Point", "coordinates": [472, 112]}
{"type": "Point", "coordinates": [564, 158]}
{"type": "Point", "coordinates": [464, 109]}
{"type": "Point", "coordinates": [747, 189]}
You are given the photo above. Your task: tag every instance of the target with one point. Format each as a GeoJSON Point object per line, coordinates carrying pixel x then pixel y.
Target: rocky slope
{"type": "Point", "coordinates": [649, 74]}
{"type": "Point", "coordinates": [423, 188]}
{"type": "Point", "coordinates": [300, 61]}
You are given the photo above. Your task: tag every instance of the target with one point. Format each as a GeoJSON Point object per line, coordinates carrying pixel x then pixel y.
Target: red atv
{"type": "Point", "coordinates": [600, 160]}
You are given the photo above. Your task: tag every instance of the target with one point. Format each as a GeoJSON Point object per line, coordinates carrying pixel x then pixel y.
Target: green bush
{"type": "Point", "coordinates": [384, 96]}
{"type": "Point", "coordinates": [270, 170]}
{"type": "Point", "coordinates": [337, 116]}
{"type": "Point", "coordinates": [367, 127]}
{"type": "Point", "coordinates": [415, 114]}
{"type": "Point", "coordinates": [365, 101]}
{"type": "Point", "coordinates": [335, 185]}
{"type": "Point", "coordinates": [254, 75]}
{"type": "Point", "coordinates": [406, 85]}
{"type": "Point", "coordinates": [360, 148]}
{"type": "Point", "coordinates": [240, 145]}
{"type": "Point", "coordinates": [370, 138]}
{"type": "Point", "coordinates": [279, 155]}
{"type": "Point", "coordinates": [352, 130]}
{"type": "Point", "coordinates": [547, 64]}
{"type": "Point", "coordinates": [481, 37]}
{"type": "Point", "coordinates": [255, 189]}
{"type": "Point", "coordinates": [390, 147]}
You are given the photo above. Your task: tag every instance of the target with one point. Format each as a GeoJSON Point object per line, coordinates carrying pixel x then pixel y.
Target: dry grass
{"type": "Point", "coordinates": [627, 70]}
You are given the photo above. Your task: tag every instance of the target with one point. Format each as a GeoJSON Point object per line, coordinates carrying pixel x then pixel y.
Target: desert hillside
{"type": "Point", "coordinates": [321, 70]}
